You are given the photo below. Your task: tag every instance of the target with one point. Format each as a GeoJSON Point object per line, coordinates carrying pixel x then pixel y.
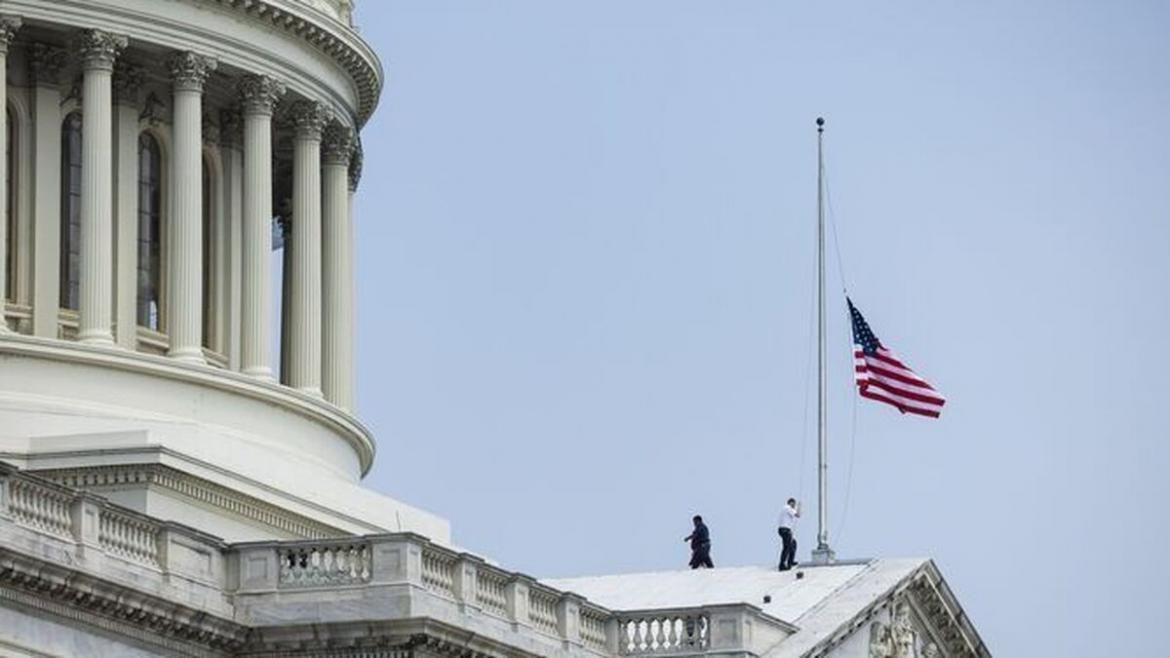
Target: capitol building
{"type": "Point", "coordinates": [181, 464]}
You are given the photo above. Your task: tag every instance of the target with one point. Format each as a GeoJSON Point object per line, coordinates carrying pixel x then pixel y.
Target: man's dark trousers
{"type": "Point", "coordinates": [788, 552]}
{"type": "Point", "coordinates": [701, 556]}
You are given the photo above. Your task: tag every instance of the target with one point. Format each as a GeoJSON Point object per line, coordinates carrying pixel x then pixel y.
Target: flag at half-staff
{"type": "Point", "coordinates": [883, 377]}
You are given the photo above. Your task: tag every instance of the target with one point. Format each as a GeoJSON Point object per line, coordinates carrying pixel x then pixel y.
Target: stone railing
{"type": "Point", "coordinates": [129, 536]}
{"type": "Point", "coordinates": [39, 505]}
{"type": "Point", "coordinates": [664, 631]}
{"type": "Point", "coordinates": [324, 564]}
{"type": "Point", "coordinates": [100, 531]}
{"type": "Point", "coordinates": [714, 629]}
{"type": "Point", "coordinates": [393, 576]}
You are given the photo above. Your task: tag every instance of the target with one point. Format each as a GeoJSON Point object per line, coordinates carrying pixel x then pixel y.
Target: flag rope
{"type": "Point", "coordinates": [849, 339]}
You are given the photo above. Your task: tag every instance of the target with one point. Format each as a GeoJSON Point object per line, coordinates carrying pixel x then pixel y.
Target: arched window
{"type": "Point", "coordinates": [70, 210]}
{"type": "Point", "coordinates": [10, 215]}
{"type": "Point", "coordinates": [208, 259]}
{"type": "Point", "coordinates": [149, 232]}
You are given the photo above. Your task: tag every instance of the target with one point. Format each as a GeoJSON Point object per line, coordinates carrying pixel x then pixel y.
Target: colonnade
{"type": "Point", "coordinates": [319, 340]}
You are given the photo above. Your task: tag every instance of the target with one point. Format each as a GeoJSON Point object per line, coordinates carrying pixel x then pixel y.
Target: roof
{"type": "Point", "coordinates": [819, 603]}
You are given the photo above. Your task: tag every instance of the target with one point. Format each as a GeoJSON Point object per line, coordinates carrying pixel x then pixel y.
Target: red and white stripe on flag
{"type": "Point", "coordinates": [883, 377]}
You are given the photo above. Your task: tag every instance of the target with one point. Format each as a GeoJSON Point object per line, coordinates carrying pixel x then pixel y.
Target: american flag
{"type": "Point", "coordinates": [883, 377]}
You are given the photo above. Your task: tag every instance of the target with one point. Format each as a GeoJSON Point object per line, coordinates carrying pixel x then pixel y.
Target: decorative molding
{"type": "Point", "coordinates": [355, 164]}
{"type": "Point", "coordinates": [128, 79]}
{"type": "Point", "coordinates": [924, 591]}
{"type": "Point", "coordinates": [45, 63]}
{"type": "Point", "coordinates": [154, 110]}
{"type": "Point", "coordinates": [98, 49]}
{"type": "Point", "coordinates": [259, 93]}
{"type": "Point", "coordinates": [231, 127]}
{"type": "Point", "coordinates": [348, 50]}
{"type": "Point", "coordinates": [337, 145]}
{"type": "Point", "coordinates": [939, 607]}
{"type": "Point", "coordinates": [51, 588]}
{"type": "Point", "coordinates": [209, 128]}
{"type": "Point", "coordinates": [189, 70]}
{"type": "Point", "coordinates": [103, 478]}
{"type": "Point", "coordinates": [308, 118]}
{"type": "Point", "coordinates": [9, 25]}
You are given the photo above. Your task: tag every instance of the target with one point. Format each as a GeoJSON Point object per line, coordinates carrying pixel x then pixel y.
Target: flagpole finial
{"type": "Point", "coordinates": [820, 124]}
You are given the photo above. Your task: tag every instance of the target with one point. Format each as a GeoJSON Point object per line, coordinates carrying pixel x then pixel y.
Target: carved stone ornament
{"type": "Point", "coordinates": [337, 144]}
{"type": "Point", "coordinates": [153, 110]}
{"type": "Point", "coordinates": [355, 164]}
{"type": "Point", "coordinates": [9, 24]}
{"type": "Point", "coordinates": [881, 644]}
{"type": "Point", "coordinates": [127, 82]}
{"type": "Point", "coordinates": [231, 126]}
{"type": "Point", "coordinates": [309, 118]}
{"type": "Point", "coordinates": [189, 70]}
{"type": "Point", "coordinates": [902, 632]}
{"type": "Point", "coordinates": [45, 63]}
{"type": "Point", "coordinates": [931, 651]}
{"type": "Point", "coordinates": [259, 93]}
{"type": "Point", "coordinates": [99, 49]}
{"type": "Point", "coordinates": [209, 129]}
{"type": "Point", "coordinates": [74, 92]}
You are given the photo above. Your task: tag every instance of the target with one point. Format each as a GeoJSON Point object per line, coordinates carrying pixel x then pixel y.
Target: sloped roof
{"type": "Point", "coordinates": [819, 603]}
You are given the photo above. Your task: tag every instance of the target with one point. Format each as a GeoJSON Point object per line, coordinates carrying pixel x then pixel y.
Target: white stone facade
{"type": "Point", "coordinates": [167, 487]}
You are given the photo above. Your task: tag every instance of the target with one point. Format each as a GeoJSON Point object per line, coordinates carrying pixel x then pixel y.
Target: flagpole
{"type": "Point", "coordinates": [822, 554]}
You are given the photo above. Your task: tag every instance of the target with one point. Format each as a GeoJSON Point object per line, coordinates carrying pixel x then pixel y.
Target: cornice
{"type": "Point", "coordinates": [191, 487]}
{"type": "Point", "coordinates": [921, 587]}
{"type": "Point", "coordinates": [331, 39]}
{"type": "Point", "coordinates": [36, 584]}
{"type": "Point", "coordinates": [346, 48]}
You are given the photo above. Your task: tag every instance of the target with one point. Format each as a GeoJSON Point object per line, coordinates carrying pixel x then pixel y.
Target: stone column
{"type": "Point", "coordinates": [185, 306]}
{"type": "Point", "coordinates": [98, 51]}
{"type": "Point", "coordinates": [8, 27]}
{"type": "Point", "coordinates": [232, 153]}
{"type": "Point", "coordinates": [337, 318]}
{"type": "Point", "coordinates": [44, 67]}
{"type": "Point", "coordinates": [258, 95]}
{"type": "Point", "coordinates": [127, 82]}
{"type": "Point", "coordinates": [305, 298]}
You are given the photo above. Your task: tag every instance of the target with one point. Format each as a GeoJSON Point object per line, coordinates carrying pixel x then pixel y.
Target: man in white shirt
{"type": "Point", "coordinates": [788, 517]}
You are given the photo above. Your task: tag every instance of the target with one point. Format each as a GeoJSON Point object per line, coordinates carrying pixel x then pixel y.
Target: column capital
{"type": "Point", "coordinates": [99, 49]}
{"type": "Point", "coordinates": [259, 93]}
{"type": "Point", "coordinates": [337, 144]}
{"type": "Point", "coordinates": [45, 63]}
{"type": "Point", "coordinates": [9, 24]}
{"type": "Point", "coordinates": [309, 118]}
{"type": "Point", "coordinates": [128, 79]}
{"type": "Point", "coordinates": [189, 70]}
{"type": "Point", "coordinates": [355, 164]}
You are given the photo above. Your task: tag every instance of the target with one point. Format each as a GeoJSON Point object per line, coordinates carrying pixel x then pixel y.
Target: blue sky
{"type": "Point", "coordinates": [585, 258]}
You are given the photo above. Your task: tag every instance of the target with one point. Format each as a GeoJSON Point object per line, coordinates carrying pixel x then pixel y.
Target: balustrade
{"type": "Point", "coordinates": [513, 600]}
{"type": "Point", "coordinates": [491, 592]}
{"type": "Point", "coordinates": [128, 536]}
{"type": "Point", "coordinates": [438, 571]}
{"type": "Point", "coordinates": [542, 609]}
{"type": "Point", "coordinates": [592, 628]}
{"type": "Point", "coordinates": [40, 505]}
{"type": "Point", "coordinates": [328, 564]}
{"type": "Point", "coordinates": [664, 632]}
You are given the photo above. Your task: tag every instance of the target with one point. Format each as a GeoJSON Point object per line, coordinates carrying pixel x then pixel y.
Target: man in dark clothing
{"type": "Point", "coordinates": [700, 545]}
